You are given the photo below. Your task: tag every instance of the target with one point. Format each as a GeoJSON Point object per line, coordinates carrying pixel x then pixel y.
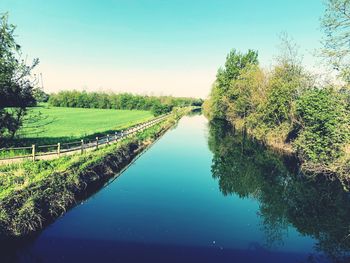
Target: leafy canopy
{"type": "Point", "coordinates": [16, 89]}
{"type": "Point", "coordinates": [235, 63]}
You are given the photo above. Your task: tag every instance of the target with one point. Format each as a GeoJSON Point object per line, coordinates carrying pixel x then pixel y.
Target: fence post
{"type": "Point", "coordinates": [82, 147]}
{"type": "Point", "coordinates": [96, 142]}
{"type": "Point", "coordinates": [58, 149]}
{"type": "Point", "coordinates": [33, 152]}
{"type": "Point", "coordinates": [107, 139]}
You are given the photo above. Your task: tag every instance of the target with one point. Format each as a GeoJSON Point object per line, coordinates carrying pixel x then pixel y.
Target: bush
{"type": "Point", "coordinates": [159, 109]}
{"type": "Point", "coordinates": [323, 125]}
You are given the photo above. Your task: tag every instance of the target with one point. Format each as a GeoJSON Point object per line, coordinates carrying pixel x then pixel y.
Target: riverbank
{"type": "Point", "coordinates": [33, 194]}
{"type": "Point", "coordinates": [275, 140]}
{"type": "Point", "coordinates": [286, 108]}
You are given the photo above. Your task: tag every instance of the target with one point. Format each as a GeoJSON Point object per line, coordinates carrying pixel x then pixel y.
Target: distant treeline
{"type": "Point", "coordinates": [124, 101]}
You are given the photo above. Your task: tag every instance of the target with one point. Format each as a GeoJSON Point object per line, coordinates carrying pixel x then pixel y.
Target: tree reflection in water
{"type": "Point", "coordinates": [315, 206]}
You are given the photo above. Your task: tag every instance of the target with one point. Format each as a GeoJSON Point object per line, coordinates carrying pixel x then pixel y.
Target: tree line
{"type": "Point", "coordinates": [124, 101]}
{"type": "Point", "coordinates": [285, 107]}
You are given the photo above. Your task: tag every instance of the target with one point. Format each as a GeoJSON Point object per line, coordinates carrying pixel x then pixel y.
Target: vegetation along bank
{"type": "Point", "coordinates": [286, 109]}
{"type": "Point", "coordinates": [33, 194]}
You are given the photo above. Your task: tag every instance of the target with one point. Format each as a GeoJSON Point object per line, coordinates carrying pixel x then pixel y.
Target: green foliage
{"type": "Point", "coordinates": [40, 96]}
{"type": "Point", "coordinates": [123, 101]}
{"type": "Point", "coordinates": [284, 109]}
{"type": "Point", "coordinates": [286, 82]}
{"type": "Point", "coordinates": [261, 102]}
{"type": "Point", "coordinates": [245, 93]}
{"type": "Point", "coordinates": [16, 89]}
{"type": "Point", "coordinates": [324, 125]}
{"type": "Point", "coordinates": [235, 63]}
{"type": "Point", "coordinates": [159, 109]}
{"type": "Point", "coordinates": [215, 106]}
{"type": "Point", "coordinates": [282, 90]}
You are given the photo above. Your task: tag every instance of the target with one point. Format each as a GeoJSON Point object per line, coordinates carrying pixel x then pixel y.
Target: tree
{"type": "Point", "coordinates": [287, 82]}
{"type": "Point", "coordinates": [246, 93]}
{"type": "Point", "coordinates": [235, 63]}
{"type": "Point", "coordinates": [336, 26]}
{"type": "Point", "coordinates": [40, 95]}
{"type": "Point", "coordinates": [16, 88]}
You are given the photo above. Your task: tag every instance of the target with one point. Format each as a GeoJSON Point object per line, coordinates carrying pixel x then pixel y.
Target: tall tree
{"type": "Point", "coordinates": [16, 88]}
{"type": "Point", "coordinates": [235, 63]}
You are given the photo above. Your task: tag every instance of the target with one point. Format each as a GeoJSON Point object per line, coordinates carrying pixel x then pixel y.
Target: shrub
{"type": "Point", "coordinates": [323, 125]}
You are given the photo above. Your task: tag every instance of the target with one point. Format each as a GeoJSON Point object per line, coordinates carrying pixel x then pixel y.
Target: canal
{"type": "Point", "coordinates": [202, 194]}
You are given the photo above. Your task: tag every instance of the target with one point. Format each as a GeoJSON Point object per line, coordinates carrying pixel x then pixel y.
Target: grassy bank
{"type": "Point", "coordinates": [46, 125]}
{"type": "Point", "coordinates": [275, 139]}
{"type": "Point", "coordinates": [34, 194]}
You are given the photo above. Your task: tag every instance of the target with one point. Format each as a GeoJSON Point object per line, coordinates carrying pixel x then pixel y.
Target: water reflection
{"type": "Point", "coordinates": [315, 207]}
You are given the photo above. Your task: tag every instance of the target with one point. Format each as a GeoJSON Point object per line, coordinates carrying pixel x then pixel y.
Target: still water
{"type": "Point", "coordinates": [202, 194]}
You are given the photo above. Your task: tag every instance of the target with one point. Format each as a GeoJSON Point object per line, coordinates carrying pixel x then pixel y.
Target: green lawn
{"type": "Point", "coordinates": [45, 124]}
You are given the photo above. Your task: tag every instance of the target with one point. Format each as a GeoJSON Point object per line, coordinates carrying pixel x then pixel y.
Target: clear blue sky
{"type": "Point", "coordinates": [160, 47]}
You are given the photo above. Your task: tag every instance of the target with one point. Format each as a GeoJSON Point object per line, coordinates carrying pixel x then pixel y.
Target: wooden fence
{"type": "Point", "coordinates": [56, 150]}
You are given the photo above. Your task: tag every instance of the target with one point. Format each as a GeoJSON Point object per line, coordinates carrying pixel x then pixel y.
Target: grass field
{"type": "Point", "coordinates": [45, 124]}
{"type": "Point", "coordinates": [31, 191]}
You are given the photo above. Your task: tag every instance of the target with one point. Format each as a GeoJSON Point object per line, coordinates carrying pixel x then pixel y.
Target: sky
{"type": "Point", "coordinates": [155, 47]}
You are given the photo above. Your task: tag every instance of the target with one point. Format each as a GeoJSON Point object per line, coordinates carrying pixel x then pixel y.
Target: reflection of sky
{"type": "Point", "coordinates": [169, 47]}
{"type": "Point", "coordinates": [168, 196]}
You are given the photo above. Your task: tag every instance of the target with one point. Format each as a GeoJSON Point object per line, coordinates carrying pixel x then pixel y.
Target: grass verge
{"type": "Point", "coordinates": [33, 194]}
